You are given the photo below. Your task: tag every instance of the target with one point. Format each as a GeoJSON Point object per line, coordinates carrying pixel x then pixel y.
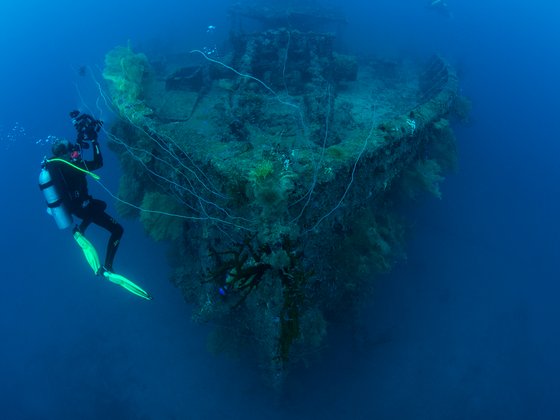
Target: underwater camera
{"type": "Point", "coordinates": [86, 126]}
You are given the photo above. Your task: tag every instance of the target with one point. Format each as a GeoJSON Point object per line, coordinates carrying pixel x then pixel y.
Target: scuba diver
{"type": "Point", "coordinates": [64, 185]}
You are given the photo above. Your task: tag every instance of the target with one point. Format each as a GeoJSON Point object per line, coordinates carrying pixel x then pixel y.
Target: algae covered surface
{"type": "Point", "coordinates": [274, 172]}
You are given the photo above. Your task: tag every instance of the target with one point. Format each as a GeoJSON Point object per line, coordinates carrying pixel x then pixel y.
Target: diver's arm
{"type": "Point", "coordinates": [97, 161]}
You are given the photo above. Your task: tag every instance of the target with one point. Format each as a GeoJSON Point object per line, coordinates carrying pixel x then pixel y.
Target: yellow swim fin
{"type": "Point", "coordinates": [93, 260]}
{"type": "Point", "coordinates": [127, 284]}
{"type": "Point", "coordinates": [89, 251]}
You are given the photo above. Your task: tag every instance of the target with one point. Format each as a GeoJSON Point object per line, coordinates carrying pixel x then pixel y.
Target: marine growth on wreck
{"type": "Point", "coordinates": [272, 171]}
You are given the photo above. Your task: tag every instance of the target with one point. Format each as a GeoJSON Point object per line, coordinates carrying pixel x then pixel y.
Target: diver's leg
{"type": "Point", "coordinates": [88, 212]}
{"type": "Point", "coordinates": [105, 221]}
{"type": "Point", "coordinates": [114, 242]}
{"type": "Point", "coordinates": [84, 225]}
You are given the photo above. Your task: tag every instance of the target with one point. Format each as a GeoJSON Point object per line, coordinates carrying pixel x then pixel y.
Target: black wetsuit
{"type": "Point", "coordinates": [72, 186]}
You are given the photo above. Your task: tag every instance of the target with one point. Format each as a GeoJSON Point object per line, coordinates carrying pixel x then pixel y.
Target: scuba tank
{"type": "Point", "coordinates": [55, 206]}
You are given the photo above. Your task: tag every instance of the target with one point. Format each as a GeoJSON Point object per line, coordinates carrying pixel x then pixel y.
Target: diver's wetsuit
{"type": "Point", "coordinates": [72, 186]}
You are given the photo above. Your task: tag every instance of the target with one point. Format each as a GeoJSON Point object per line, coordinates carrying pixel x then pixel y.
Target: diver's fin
{"type": "Point", "coordinates": [127, 284]}
{"type": "Point", "coordinates": [89, 251]}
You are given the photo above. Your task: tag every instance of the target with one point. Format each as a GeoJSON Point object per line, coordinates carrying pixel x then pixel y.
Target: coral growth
{"type": "Point", "coordinates": [159, 225]}
{"type": "Point", "coordinates": [125, 71]}
{"type": "Point", "coordinates": [424, 175]}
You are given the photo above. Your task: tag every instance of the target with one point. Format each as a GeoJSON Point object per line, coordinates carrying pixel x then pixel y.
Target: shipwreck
{"type": "Point", "coordinates": [272, 170]}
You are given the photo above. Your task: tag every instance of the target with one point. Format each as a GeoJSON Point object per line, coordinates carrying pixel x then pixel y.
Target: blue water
{"type": "Point", "coordinates": [467, 327]}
